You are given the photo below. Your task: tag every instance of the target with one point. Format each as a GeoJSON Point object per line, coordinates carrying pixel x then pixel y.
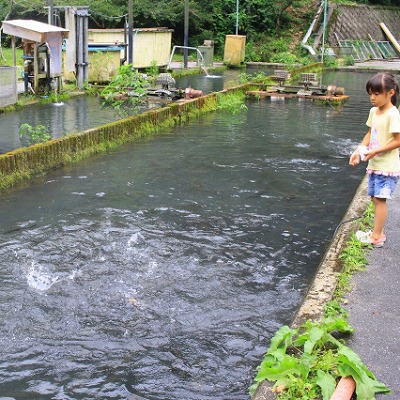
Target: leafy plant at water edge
{"type": "Point", "coordinates": [153, 70]}
{"type": "Point", "coordinates": [34, 134]}
{"type": "Point", "coordinates": [126, 91]}
{"type": "Point", "coordinates": [260, 77]}
{"type": "Point", "coordinates": [353, 255]}
{"type": "Point", "coordinates": [54, 98]}
{"type": "Point", "coordinates": [354, 259]}
{"type": "Point", "coordinates": [330, 61]}
{"type": "Point", "coordinates": [232, 102]}
{"type": "Point", "coordinates": [306, 363]}
{"type": "Point", "coordinates": [348, 60]}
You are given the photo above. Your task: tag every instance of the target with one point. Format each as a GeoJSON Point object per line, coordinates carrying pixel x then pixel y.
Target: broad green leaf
{"type": "Point", "coordinates": [306, 363]}
{"type": "Point", "coordinates": [355, 360]}
{"type": "Point", "coordinates": [350, 364]}
{"type": "Point", "coordinates": [288, 365]}
{"type": "Point", "coordinates": [268, 361]}
{"type": "Point", "coordinates": [315, 335]}
{"type": "Point", "coordinates": [339, 324]}
{"type": "Point", "coordinates": [283, 335]}
{"type": "Point", "coordinates": [364, 385]}
{"type": "Point", "coordinates": [327, 384]}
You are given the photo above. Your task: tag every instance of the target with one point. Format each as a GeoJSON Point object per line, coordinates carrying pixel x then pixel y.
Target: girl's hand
{"type": "Point", "coordinates": [370, 154]}
{"type": "Point", "coordinates": [355, 159]}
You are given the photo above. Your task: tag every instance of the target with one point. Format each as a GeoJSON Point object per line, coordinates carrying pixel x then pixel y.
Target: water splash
{"type": "Point", "coordinates": [40, 280]}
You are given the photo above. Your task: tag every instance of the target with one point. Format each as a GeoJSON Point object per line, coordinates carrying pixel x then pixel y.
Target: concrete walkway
{"type": "Point", "coordinates": [374, 307]}
{"type": "Point", "coordinates": [374, 300]}
{"type": "Point", "coordinates": [375, 66]}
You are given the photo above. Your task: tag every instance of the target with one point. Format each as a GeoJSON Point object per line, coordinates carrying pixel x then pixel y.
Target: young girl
{"type": "Point", "coordinates": [380, 147]}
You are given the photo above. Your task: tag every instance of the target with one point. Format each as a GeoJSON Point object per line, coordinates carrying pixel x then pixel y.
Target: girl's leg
{"type": "Point", "coordinates": [380, 217]}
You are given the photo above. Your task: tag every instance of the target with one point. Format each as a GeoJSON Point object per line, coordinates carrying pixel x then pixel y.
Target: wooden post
{"type": "Point", "coordinates": [390, 36]}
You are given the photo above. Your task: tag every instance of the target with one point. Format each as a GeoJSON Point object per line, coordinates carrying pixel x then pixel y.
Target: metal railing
{"type": "Point", "coordinates": [201, 58]}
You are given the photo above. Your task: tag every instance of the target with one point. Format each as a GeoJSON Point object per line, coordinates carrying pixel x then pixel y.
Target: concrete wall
{"type": "Point", "coordinates": [26, 162]}
{"type": "Point", "coordinates": [354, 22]}
{"type": "Point", "coordinates": [8, 86]}
{"type": "Point", "coordinates": [150, 45]}
{"type": "Point", "coordinates": [234, 51]}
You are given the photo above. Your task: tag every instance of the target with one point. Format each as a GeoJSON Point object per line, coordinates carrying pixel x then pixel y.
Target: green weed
{"type": "Point", "coordinates": [33, 134]}
{"type": "Point", "coordinates": [307, 363]}
{"type": "Point", "coordinates": [232, 102]}
{"type": "Point", "coordinates": [125, 91]}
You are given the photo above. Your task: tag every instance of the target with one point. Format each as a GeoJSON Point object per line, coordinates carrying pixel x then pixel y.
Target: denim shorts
{"type": "Point", "coordinates": [381, 186]}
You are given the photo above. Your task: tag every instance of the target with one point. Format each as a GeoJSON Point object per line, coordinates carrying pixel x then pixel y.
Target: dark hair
{"type": "Point", "coordinates": [383, 82]}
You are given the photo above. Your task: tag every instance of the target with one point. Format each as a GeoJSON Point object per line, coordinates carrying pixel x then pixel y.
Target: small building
{"type": "Point", "coordinates": [103, 62]}
{"type": "Point", "coordinates": [151, 46]}
{"type": "Point", "coordinates": [42, 45]}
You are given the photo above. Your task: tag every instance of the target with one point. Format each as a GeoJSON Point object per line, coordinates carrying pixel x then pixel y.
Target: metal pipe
{"type": "Point", "coordinates": [186, 35]}
{"type": "Point", "coordinates": [85, 55]}
{"type": "Point", "coordinates": [50, 15]}
{"type": "Point", "coordinates": [184, 47]}
{"type": "Point", "coordinates": [130, 33]}
{"type": "Point", "coordinates": [237, 17]}
{"type": "Point", "coordinates": [324, 29]}
{"type": "Point", "coordinates": [310, 31]}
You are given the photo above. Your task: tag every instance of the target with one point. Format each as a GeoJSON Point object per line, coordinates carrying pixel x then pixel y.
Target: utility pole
{"type": "Point", "coordinates": [51, 11]}
{"type": "Point", "coordinates": [323, 32]}
{"type": "Point", "coordinates": [130, 32]}
{"type": "Point", "coordinates": [237, 17]}
{"type": "Point", "coordinates": [186, 35]}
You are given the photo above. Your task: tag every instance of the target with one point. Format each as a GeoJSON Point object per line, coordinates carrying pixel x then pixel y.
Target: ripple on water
{"type": "Point", "coordinates": [177, 285]}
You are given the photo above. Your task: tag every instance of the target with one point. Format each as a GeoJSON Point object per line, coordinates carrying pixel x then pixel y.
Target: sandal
{"type": "Point", "coordinates": [365, 237]}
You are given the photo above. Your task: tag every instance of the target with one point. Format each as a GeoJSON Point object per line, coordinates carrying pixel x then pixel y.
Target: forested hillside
{"type": "Point", "coordinates": [272, 27]}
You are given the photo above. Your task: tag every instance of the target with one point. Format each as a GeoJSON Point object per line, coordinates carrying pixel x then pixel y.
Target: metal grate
{"type": "Point", "coordinates": [369, 49]}
{"type": "Point", "coordinates": [166, 80]}
{"type": "Point", "coordinates": [281, 76]}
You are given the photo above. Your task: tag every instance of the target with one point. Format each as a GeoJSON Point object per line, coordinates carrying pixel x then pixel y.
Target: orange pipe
{"type": "Point", "coordinates": [344, 389]}
{"type": "Point", "coordinates": [192, 93]}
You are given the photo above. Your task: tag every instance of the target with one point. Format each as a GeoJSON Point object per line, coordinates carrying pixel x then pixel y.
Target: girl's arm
{"type": "Point", "coordinates": [394, 144]}
{"type": "Point", "coordinates": [355, 157]}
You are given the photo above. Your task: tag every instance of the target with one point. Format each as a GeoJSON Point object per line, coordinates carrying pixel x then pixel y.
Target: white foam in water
{"type": "Point", "coordinates": [136, 238]}
{"type": "Point", "coordinates": [40, 280]}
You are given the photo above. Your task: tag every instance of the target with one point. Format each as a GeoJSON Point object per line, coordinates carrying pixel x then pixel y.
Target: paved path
{"type": "Point", "coordinates": [374, 307]}
{"type": "Point", "coordinates": [374, 301]}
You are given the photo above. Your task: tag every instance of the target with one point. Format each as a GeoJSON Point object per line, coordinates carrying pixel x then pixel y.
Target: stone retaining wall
{"type": "Point", "coordinates": [353, 22]}
{"type": "Point", "coordinates": [27, 162]}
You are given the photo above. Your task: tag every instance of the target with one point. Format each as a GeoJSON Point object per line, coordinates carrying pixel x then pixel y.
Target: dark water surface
{"type": "Point", "coordinates": [74, 115]}
{"type": "Point", "coordinates": [84, 112]}
{"type": "Point", "coordinates": [161, 270]}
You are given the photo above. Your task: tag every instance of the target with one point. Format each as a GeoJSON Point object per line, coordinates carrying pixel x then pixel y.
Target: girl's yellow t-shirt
{"type": "Point", "coordinates": [383, 127]}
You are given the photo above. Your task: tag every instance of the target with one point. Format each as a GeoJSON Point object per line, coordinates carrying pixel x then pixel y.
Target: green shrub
{"type": "Point", "coordinates": [348, 60]}
{"type": "Point", "coordinates": [33, 134]}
